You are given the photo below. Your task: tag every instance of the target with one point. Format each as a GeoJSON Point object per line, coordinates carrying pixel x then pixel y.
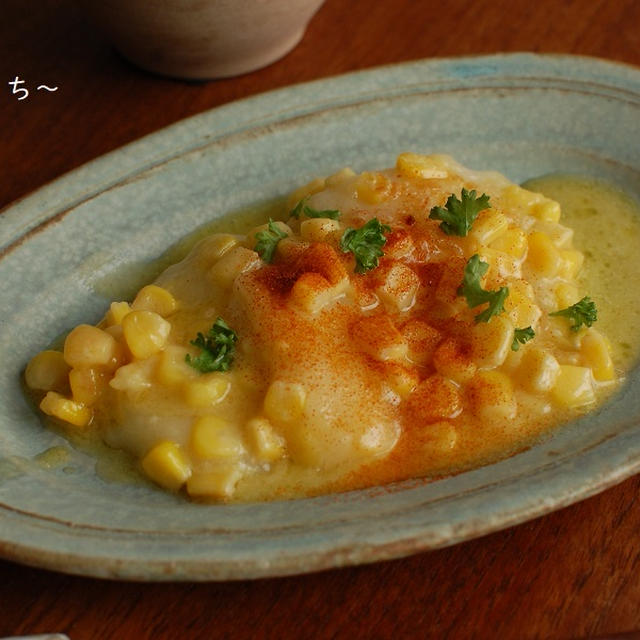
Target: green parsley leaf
{"type": "Point", "coordinates": [582, 312]}
{"type": "Point", "coordinates": [475, 295]}
{"type": "Point", "coordinates": [310, 212]}
{"type": "Point", "coordinates": [217, 348]}
{"type": "Point", "coordinates": [520, 336]}
{"type": "Point", "coordinates": [365, 244]}
{"type": "Point", "coordinates": [268, 241]}
{"type": "Point", "coordinates": [458, 215]}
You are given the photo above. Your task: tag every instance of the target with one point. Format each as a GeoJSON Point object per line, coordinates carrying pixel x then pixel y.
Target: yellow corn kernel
{"type": "Point", "coordinates": [265, 443]}
{"type": "Point", "coordinates": [75, 413]}
{"type": "Point", "coordinates": [172, 367]}
{"type": "Point", "coordinates": [373, 188]}
{"type": "Point", "coordinates": [233, 263]}
{"type": "Point", "coordinates": [491, 395]}
{"type": "Point", "coordinates": [117, 311]}
{"type": "Point", "coordinates": [439, 437]}
{"type": "Point", "coordinates": [402, 380]}
{"type": "Point", "coordinates": [378, 337]}
{"type": "Point", "coordinates": [537, 370]}
{"type": "Point", "coordinates": [491, 341]}
{"type": "Point", "coordinates": [422, 340]}
{"type": "Point", "coordinates": [313, 292]}
{"type": "Point", "coordinates": [47, 371]}
{"type": "Point", "coordinates": [560, 235]}
{"type": "Point", "coordinates": [573, 387]}
{"type": "Point", "coordinates": [489, 226]}
{"type": "Point", "coordinates": [216, 245]}
{"type": "Point", "coordinates": [167, 465]}
{"type": "Point", "coordinates": [413, 165]}
{"type": "Point", "coordinates": [145, 333]}
{"type": "Point", "coordinates": [212, 437]}
{"type": "Point", "coordinates": [156, 299]}
{"type": "Point", "coordinates": [397, 285]}
{"type": "Point", "coordinates": [566, 295]}
{"type": "Point", "coordinates": [515, 197]}
{"type": "Point", "coordinates": [317, 184]}
{"type": "Point", "coordinates": [87, 347]}
{"type": "Point", "coordinates": [284, 402]}
{"type": "Point", "coordinates": [220, 483]}
{"type": "Point", "coordinates": [572, 261]}
{"type": "Point", "coordinates": [501, 265]}
{"type": "Point", "coordinates": [547, 211]}
{"type": "Point", "coordinates": [454, 360]}
{"type": "Point", "coordinates": [435, 399]}
{"type": "Point", "coordinates": [596, 353]}
{"type": "Point", "coordinates": [319, 229]}
{"type": "Point", "coordinates": [543, 257]}
{"type": "Point", "coordinates": [87, 385]}
{"type": "Point", "coordinates": [207, 389]}
{"type": "Point", "coordinates": [134, 377]}
{"type": "Point", "coordinates": [340, 177]}
{"type": "Point", "coordinates": [512, 241]}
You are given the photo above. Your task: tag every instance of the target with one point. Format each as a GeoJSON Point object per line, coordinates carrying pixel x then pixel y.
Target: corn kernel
{"type": "Point", "coordinates": [213, 437]}
{"type": "Point", "coordinates": [435, 398]}
{"type": "Point", "coordinates": [566, 295]}
{"type": "Point", "coordinates": [87, 347]}
{"type": "Point", "coordinates": [537, 370]}
{"type": "Point", "coordinates": [573, 387]}
{"type": "Point", "coordinates": [172, 367]}
{"type": "Point", "coordinates": [319, 229]}
{"type": "Point", "coordinates": [501, 265]}
{"type": "Point", "coordinates": [491, 341]}
{"type": "Point", "coordinates": [413, 165]}
{"type": "Point", "coordinates": [220, 483]}
{"type": "Point", "coordinates": [402, 380]}
{"type": "Point", "coordinates": [560, 235]}
{"type": "Point", "coordinates": [236, 261]}
{"type": "Point", "coordinates": [207, 389]}
{"type": "Point", "coordinates": [284, 402]}
{"type": "Point", "coordinates": [454, 360]}
{"type": "Point", "coordinates": [543, 257]}
{"type": "Point", "coordinates": [145, 332]}
{"type": "Point", "coordinates": [339, 178]}
{"type": "Point", "coordinates": [489, 226]}
{"type": "Point", "coordinates": [156, 299]}
{"type": "Point", "coordinates": [265, 443]}
{"type": "Point", "coordinates": [422, 340]}
{"type": "Point", "coordinates": [312, 292]}
{"type": "Point", "coordinates": [216, 245]}
{"type": "Point", "coordinates": [547, 211]}
{"type": "Point", "coordinates": [512, 242]}
{"type": "Point", "coordinates": [491, 395]}
{"type": "Point", "coordinates": [117, 311]}
{"type": "Point", "coordinates": [316, 185]}
{"type": "Point", "coordinates": [572, 261]}
{"type": "Point", "coordinates": [75, 413]}
{"type": "Point", "coordinates": [439, 437]}
{"type": "Point", "coordinates": [87, 385]}
{"type": "Point", "coordinates": [596, 352]}
{"type": "Point", "coordinates": [397, 285]}
{"type": "Point", "coordinates": [378, 337]}
{"type": "Point", "coordinates": [167, 465]}
{"type": "Point", "coordinates": [373, 188]}
{"type": "Point", "coordinates": [134, 377]}
{"type": "Point", "coordinates": [47, 371]}
{"type": "Point", "coordinates": [515, 197]}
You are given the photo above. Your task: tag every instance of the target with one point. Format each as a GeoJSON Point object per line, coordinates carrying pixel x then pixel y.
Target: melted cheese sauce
{"type": "Point", "coordinates": [344, 380]}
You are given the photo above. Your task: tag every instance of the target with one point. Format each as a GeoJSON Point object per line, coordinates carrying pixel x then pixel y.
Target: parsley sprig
{"type": "Point", "coordinates": [268, 241]}
{"type": "Point", "coordinates": [216, 347]}
{"type": "Point", "coordinates": [303, 208]}
{"type": "Point", "coordinates": [471, 289]}
{"type": "Point", "coordinates": [583, 312]}
{"type": "Point", "coordinates": [520, 336]}
{"type": "Point", "coordinates": [458, 215]}
{"type": "Point", "coordinates": [365, 243]}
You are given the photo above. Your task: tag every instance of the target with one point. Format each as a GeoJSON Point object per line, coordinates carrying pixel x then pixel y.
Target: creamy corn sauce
{"type": "Point", "coordinates": [342, 379]}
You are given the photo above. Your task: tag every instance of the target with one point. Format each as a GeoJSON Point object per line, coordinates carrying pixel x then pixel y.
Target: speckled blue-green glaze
{"type": "Point", "coordinates": [524, 115]}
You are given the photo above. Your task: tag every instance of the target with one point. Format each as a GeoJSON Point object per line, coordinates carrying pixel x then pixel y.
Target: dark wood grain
{"type": "Point", "coordinates": [571, 574]}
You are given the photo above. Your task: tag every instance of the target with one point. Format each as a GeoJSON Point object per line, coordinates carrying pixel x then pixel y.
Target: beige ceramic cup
{"type": "Point", "coordinates": [202, 39]}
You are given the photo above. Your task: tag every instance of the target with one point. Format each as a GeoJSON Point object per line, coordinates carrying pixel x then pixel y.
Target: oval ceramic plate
{"type": "Point", "coordinates": [524, 115]}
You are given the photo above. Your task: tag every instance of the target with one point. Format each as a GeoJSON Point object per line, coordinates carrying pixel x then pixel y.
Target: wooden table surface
{"type": "Point", "coordinates": [572, 574]}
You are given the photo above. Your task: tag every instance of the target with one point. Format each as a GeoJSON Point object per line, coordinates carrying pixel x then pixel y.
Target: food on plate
{"type": "Point", "coordinates": [409, 322]}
